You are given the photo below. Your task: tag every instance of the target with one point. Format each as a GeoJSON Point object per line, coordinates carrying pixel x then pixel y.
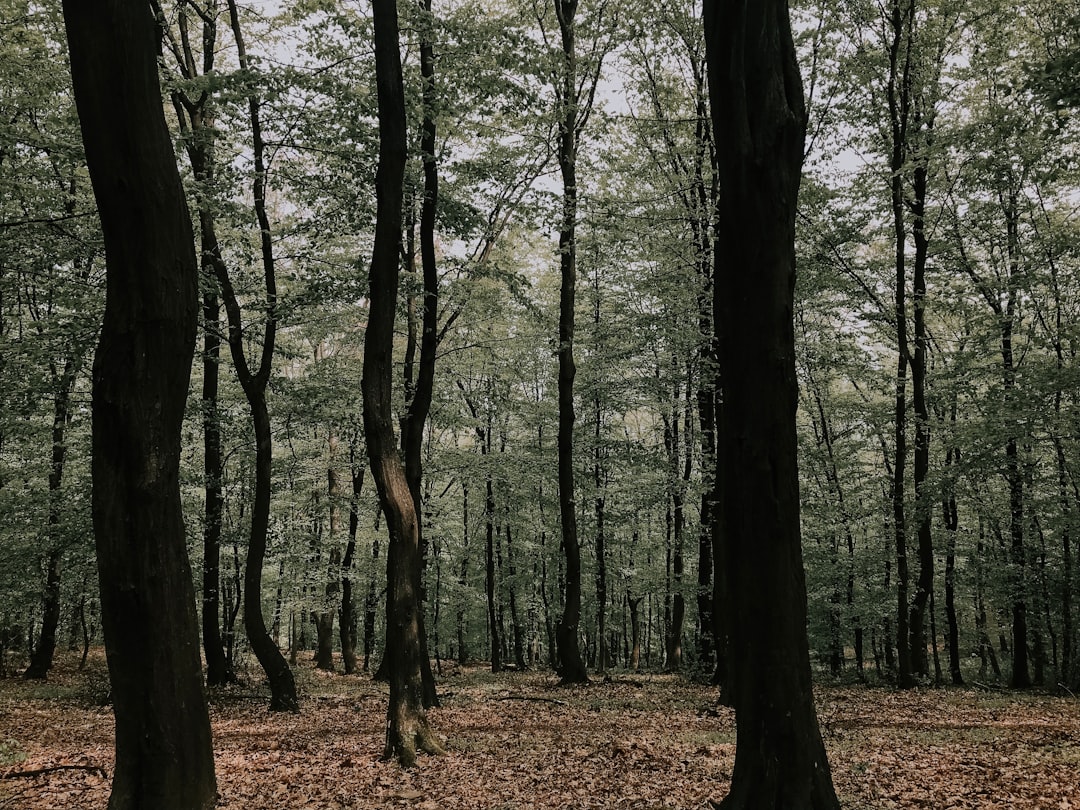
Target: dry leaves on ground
{"type": "Point", "coordinates": [518, 741]}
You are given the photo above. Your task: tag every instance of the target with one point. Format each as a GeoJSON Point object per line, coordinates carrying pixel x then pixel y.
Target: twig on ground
{"type": "Point", "coordinates": [51, 768]}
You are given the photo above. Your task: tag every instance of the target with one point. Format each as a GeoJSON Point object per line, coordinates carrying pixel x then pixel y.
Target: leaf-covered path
{"type": "Point", "coordinates": [517, 741]}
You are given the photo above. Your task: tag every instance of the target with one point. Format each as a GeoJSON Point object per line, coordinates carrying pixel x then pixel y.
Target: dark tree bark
{"type": "Point", "coordinates": [635, 631]}
{"type": "Point", "coordinates": [899, 98]}
{"type": "Point", "coordinates": [511, 583]}
{"type": "Point", "coordinates": [347, 611]}
{"type": "Point", "coordinates": [951, 515]}
{"type": "Point", "coordinates": [924, 584]}
{"type": "Point", "coordinates": [142, 370]}
{"type": "Point", "coordinates": [419, 394]}
{"type": "Point", "coordinates": [571, 664]}
{"type": "Point", "coordinates": [407, 726]}
{"type": "Point", "coordinates": [759, 120]}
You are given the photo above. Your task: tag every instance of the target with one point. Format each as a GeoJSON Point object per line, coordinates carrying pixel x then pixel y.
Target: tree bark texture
{"type": "Point", "coordinates": [759, 121]}
{"type": "Point", "coordinates": [407, 725]}
{"type": "Point", "coordinates": [141, 374]}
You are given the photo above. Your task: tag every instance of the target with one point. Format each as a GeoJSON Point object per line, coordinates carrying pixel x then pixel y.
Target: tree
{"type": "Point", "coordinates": [418, 393]}
{"type": "Point", "coordinates": [574, 104]}
{"type": "Point", "coordinates": [759, 123]}
{"type": "Point", "coordinates": [195, 115]}
{"type": "Point", "coordinates": [141, 374]}
{"type": "Point", "coordinates": [407, 727]}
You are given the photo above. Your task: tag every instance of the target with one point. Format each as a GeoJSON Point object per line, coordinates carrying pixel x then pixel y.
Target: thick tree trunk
{"type": "Point", "coordinates": [571, 665]}
{"type": "Point", "coordinates": [142, 370]}
{"type": "Point", "coordinates": [759, 120]}
{"type": "Point", "coordinates": [407, 725]}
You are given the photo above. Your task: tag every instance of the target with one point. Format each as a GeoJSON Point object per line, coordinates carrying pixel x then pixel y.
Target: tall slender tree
{"type": "Point", "coordinates": [142, 370]}
{"type": "Point", "coordinates": [407, 727]}
{"type": "Point", "coordinates": [571, 664]}
{"type": "Point", "coordinates": [196, 120]}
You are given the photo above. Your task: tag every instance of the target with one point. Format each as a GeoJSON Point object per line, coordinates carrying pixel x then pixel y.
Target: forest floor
{"type": "Point", "coordinates": [517, 740]}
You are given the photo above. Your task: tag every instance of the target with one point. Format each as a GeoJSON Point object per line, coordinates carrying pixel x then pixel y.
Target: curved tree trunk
{"type": "Point", "coordinates": [282, 685]}
{"type": "Point", "coordinates": [759, 119]}
{"type": "Point", "coordinates": [407, 726]}
{"type": "Point", "coordinates": [142, 370]}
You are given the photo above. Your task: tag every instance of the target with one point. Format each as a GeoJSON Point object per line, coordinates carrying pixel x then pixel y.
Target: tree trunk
{"type": "Point", "coordinates": [924, 584]}
{"type": "Point", "coordinates": [635, 632]}
{"type": "Point", "coordinates": [195, 118]}
{"type": "Point", "coordinates": [407, 726]}
{"type": "Point", "coordinates": [571, 665]}
{"type": "Point", "coordinates": [282, 686]}
{"type": "Point", "coordinates": [142, 370]}
{"type": "Point", "coordinates": [489, 561]}
{"type": "Point", "coordinates": [510, 582]}
{"type": "Point", "coordinates": [371, 601]}
{"type": "Point", "coordinates": [347, 611]}
{"type": "Point", "coordinates": [759, 120]}
{"type": "Point", "coordinates": [324, 657]}
{"type": "Point", "coordinates": [951, 517]}
{"type": "Point", "coordinates": [218, 668]}
{"type": "Point", "coordinates": [419, 397]}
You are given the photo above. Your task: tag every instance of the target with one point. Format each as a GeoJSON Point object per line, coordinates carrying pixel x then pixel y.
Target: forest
{"type": "Point", "coordinates": [482, 352]}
